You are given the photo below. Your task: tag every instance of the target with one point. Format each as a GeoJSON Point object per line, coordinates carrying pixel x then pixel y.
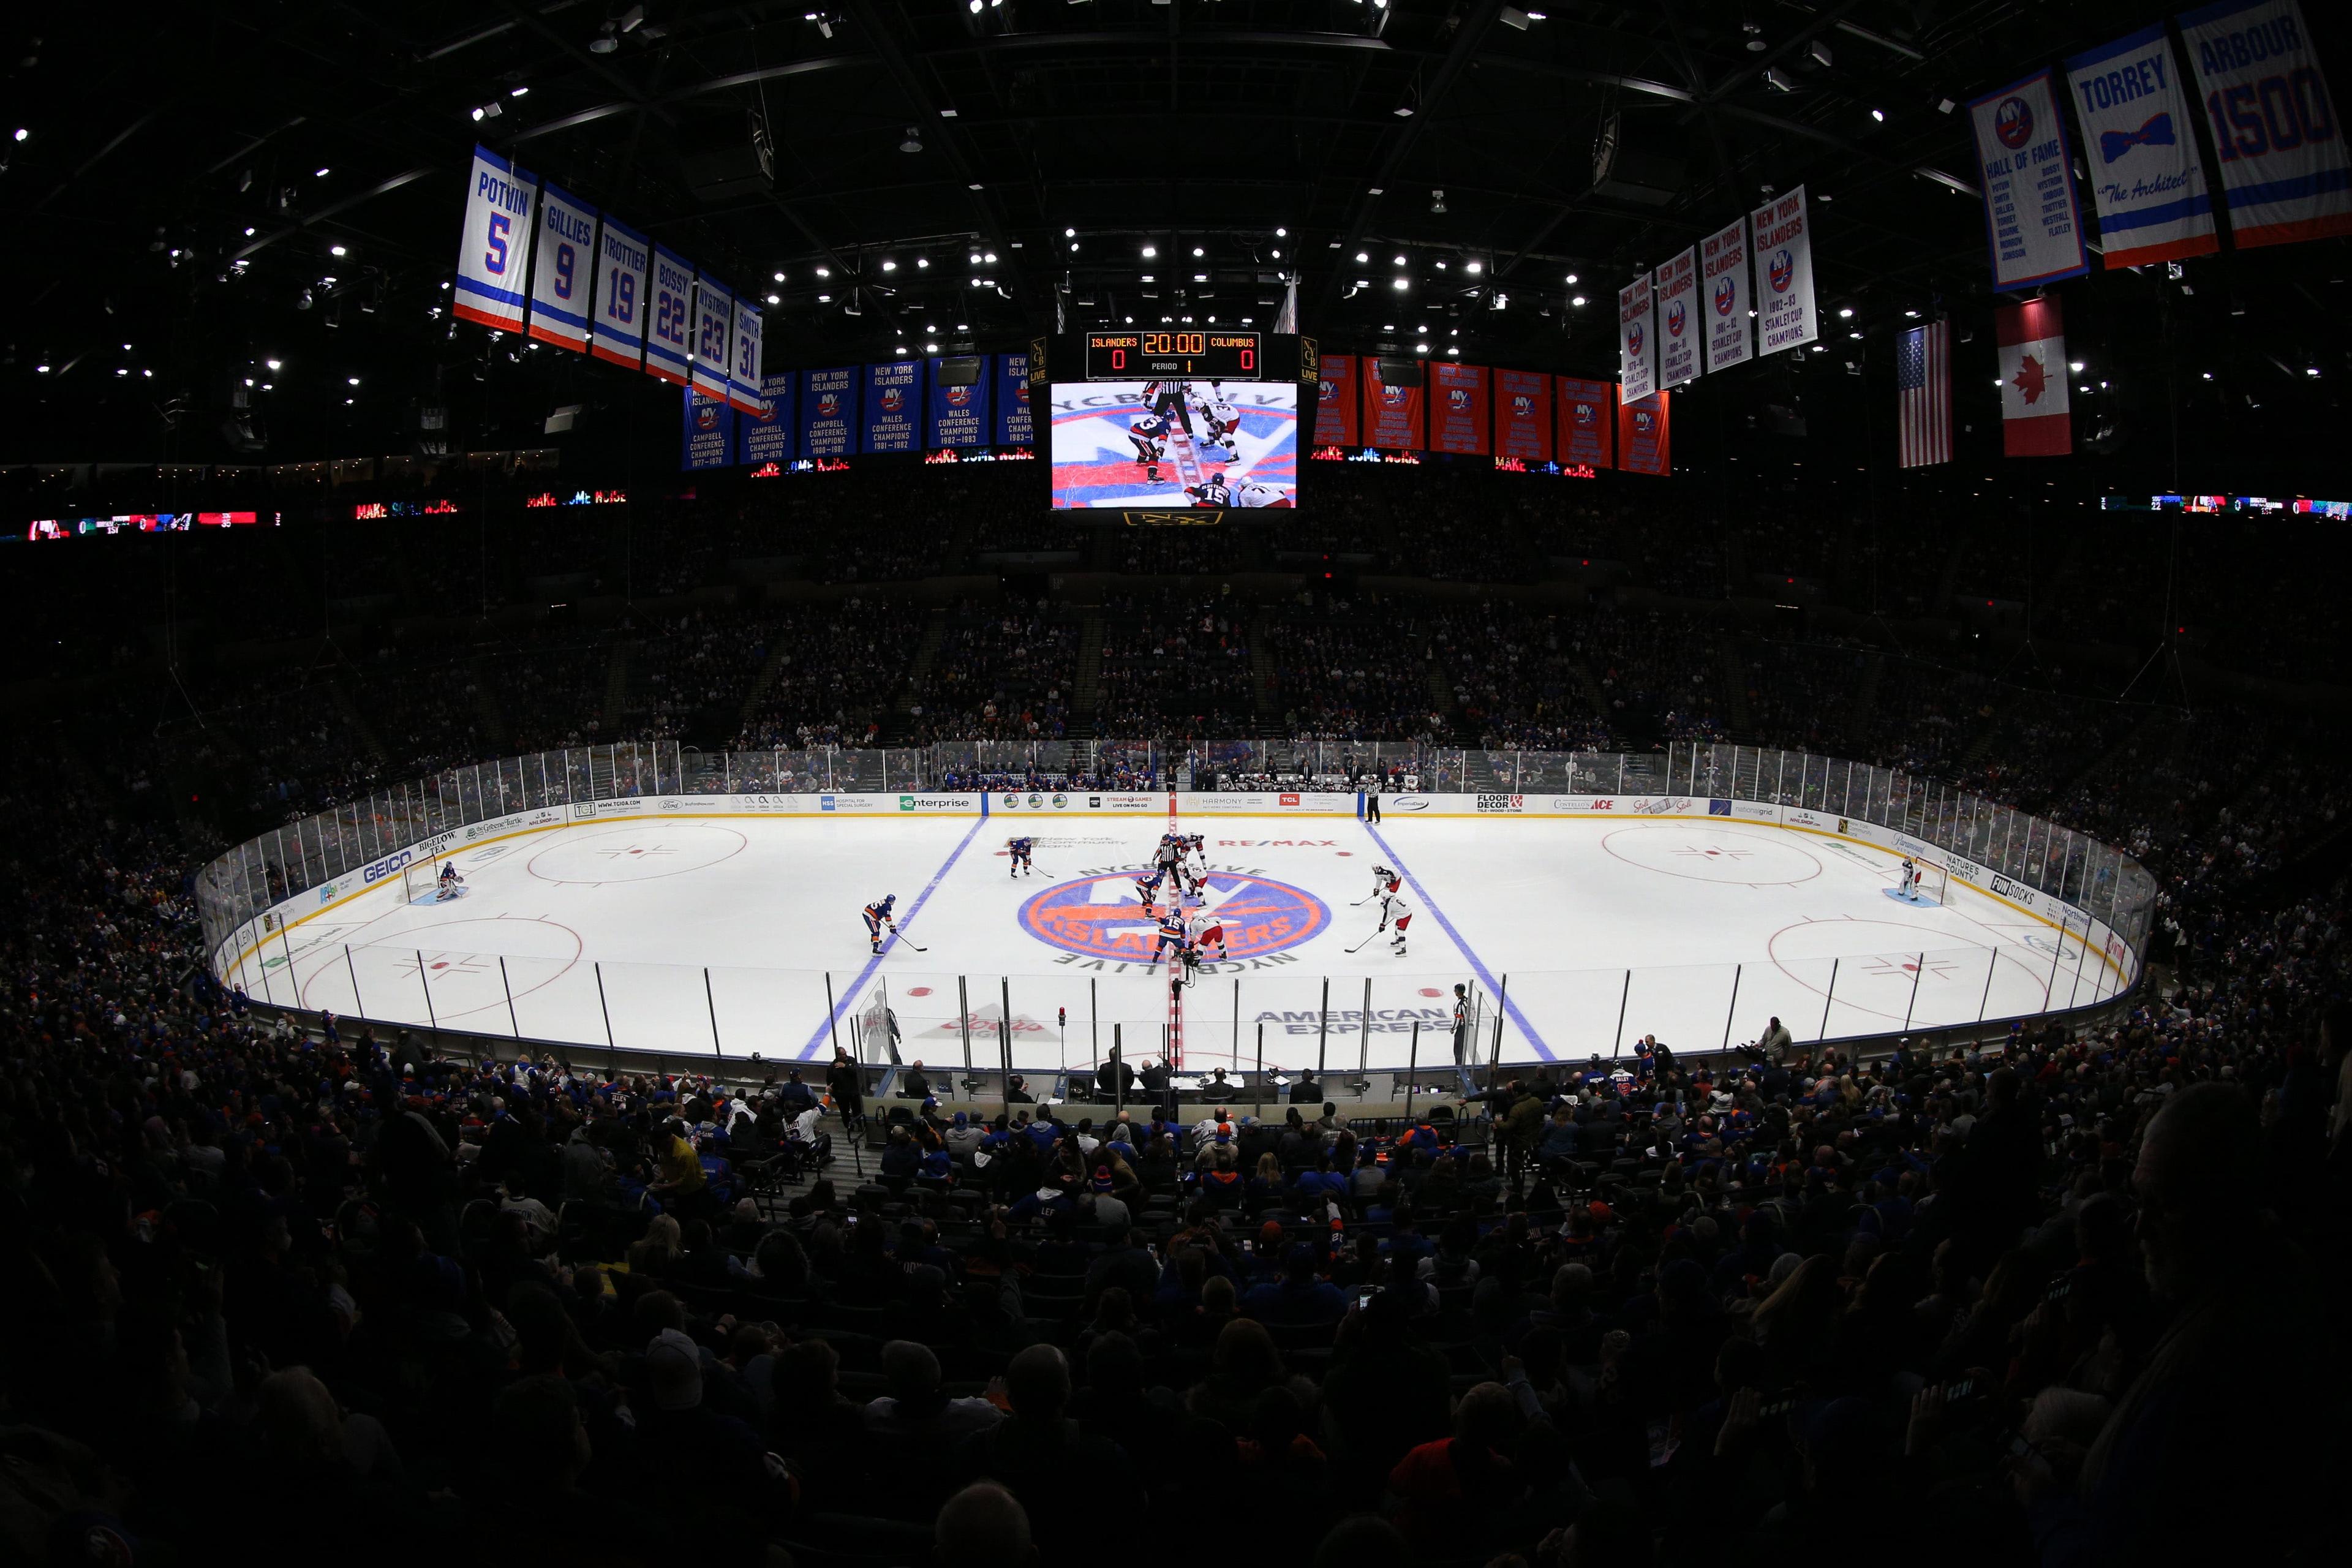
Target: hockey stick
{"type": "Point", "coordinates": [1367, 941]}
{"type": "Point", "coordinates": [910, 941]}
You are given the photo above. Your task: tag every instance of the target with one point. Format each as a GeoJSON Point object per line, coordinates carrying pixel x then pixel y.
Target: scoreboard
{"type": "Point", "coordinates": [1126, 354]}
{"type": "Point", "coordinates": [1173, 353]}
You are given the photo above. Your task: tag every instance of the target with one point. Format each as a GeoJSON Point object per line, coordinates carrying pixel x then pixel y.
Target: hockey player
{"type": "Point", "coordinates": [1224, 424]}
{"type": "Point", "coordinates": [450, 883]}
{"type": "Point", "coordinates": [1147, 889]}
{"type": "Point", "coordinates": [1910, 877]}
{"type": "Point", "coordinates": [877, 915]}
{"type": "Point", "coordinates": [1383, 880]}
{"type": "Point", "coordinates": [1149, 436]}
{"type": "Point", "coordinates": [1020, 848]}
{"type": "Point", "coordinates": [1196, 858]}
{"type": "Point", "coordinates": [1208, 931]}
{"type": "Point", "coordinates": [1213, 493]}
{"type": "Point", "coordinates": [1396, 913]}
{"type": "Point", "coordinates": [1169, 403]}
{"type": "Point", "coordinates": [1251, 493]}
{"type": "Point", "coordinates": [1171, 938]}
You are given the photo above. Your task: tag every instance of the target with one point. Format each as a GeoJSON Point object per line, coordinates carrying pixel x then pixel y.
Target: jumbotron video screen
{"type": "Point", "coordinates": [1167, 444]}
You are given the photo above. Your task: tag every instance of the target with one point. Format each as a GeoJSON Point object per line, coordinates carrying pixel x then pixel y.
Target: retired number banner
{"type": "Point", "coordinates": [1637, 339]}
{"type": "Point", "coordinates": [744, 379]}
{"type": "Point", "coordinates": [670, 343]}
{"type": "Point", "coordinates": [2033, 220]}
{"type": "Point", "coordinates": [714, 318]}
{"type": "Point", "coordinates": [624, 257]}
{"type": "Point", "coordinates": [563, 270]}
{"type": "Point", "coordinates": [495, 243]}
{"type": "Point", "coordinates": [2276, 130]}
{"type": "Point", "coordinates": [1723, 285]}
{"type": "Point", "coordinates": [2147, 185]}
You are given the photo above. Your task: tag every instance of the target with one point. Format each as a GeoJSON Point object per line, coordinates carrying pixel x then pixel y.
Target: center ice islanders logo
{"type": "Point", "coordinates": [1098, 917]}
{"type": "Point", "coordinates": [2012, 123]}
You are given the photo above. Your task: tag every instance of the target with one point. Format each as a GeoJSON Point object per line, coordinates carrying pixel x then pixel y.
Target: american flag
{"type": "Point", "coordinates": [1923, 394]}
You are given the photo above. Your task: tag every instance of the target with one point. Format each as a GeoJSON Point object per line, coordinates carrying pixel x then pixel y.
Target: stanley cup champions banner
{"type": "Point", "coordinates": [495, 244]}
{"type": "Point", "coordinates": [1637, 339]}
{"type": "Point", "coordinates": [1785, 314]}
{"type": "Point", "coordinates": [1726, 297]}
{"type": "Point", "coordinates": [744, 379]}
{"type": "Point", "coordinates": [563, 270]}
{"type": "Point", "coordinates": [2275, 132]}
{"type": "Point", "coordinates": [2033, 220]}
{"type": "Point", "coordinates": [624, 262]}
{"type": "Point", "coordinates": [1677, 320]}
{"type": "Point", "coordinates": [2147, 184]}
{"type": "Point", "coordinates": [714, 321]}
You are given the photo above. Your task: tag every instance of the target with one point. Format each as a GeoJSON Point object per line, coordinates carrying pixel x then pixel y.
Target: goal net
{"type": "Point", "coordinates": [1930, 881]}
{"type": "Point", "coordinates": [421, 880]}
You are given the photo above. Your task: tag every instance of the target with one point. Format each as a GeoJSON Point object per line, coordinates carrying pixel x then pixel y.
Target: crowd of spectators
{"type": "Point", "coordinates": [1175, 664]}
{"type": "Point", "coordinates": [2005, 1304]}
{"type": "Point", "coordinates": [1001, 673]}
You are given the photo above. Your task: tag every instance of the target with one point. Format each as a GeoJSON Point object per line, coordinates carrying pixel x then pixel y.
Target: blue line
{"type": "Point", "coordinates": [1477, 966]}
{"type": "Point", "coordinates": [808, 1052]}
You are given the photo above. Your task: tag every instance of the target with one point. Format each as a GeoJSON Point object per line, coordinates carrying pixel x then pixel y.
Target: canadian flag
{"type": "Point", "coordinates": [2034, 418]}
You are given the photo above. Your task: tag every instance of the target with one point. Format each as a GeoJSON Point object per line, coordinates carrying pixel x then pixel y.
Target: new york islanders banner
{"type": "Point", "coordinates": [1392, 412]}
{"type": "Point", "coordinates": [1523, 416]}
{"type": "Point", "coordinates": [956, 416]}
{"type": "Point", "coordinates": [764, 434]}
{"type": "Point", "coordinates": [2275, 132]}
{"type": "Point", "coordinates": [669, 340]}
{"type": "Point", "coordinates": [563, 270]}
{"type": "Point", "coordinates": [624, 262]}
{"type": "Point", "coordinates": [743, 378]}
{"type": "Point", "coordinates": [1677, 287]}
{"type": "Point", "coordinates": [494, 243]}
{"type": "Point", "coordinates": [1728, 295]}
{"type": "Point", "coordinates": [710, 432]}
{"type": "Point", "coordinates": [2033, 222]}
{"type": "Point", "coordinates": [1637, 339]}
{"type": "Point", "coordinates": [2034, 421]}
{"type": "Point", "coordinates": [828, 412]}
{"type": "Point", "coordinates": [1457, 407]}
{"type": "Point", "coordinates": [2147, 185]}
{"type": "Point", "coordinates": [714, 324]}
{"type": "Point", "coordinates": [1014, 425]}
{"type": "Point", "coordinates": [1642, 435]}
{"type": "Point", "coordinates": [1588, 422]}
{"type": "Point", "coordinates": [1335, 401]}
{"type": "Point", "coordinates": [1783, 238]}
{"type": "Point", "coordinates": [893, 393]}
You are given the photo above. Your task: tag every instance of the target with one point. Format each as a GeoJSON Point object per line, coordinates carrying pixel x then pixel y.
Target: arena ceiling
{"type": "Point", "coordinates": [282, 181]}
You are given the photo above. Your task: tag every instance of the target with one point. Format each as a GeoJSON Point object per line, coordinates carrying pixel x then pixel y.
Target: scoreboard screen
{"type": "Point", "coordinates": [1132, 354]}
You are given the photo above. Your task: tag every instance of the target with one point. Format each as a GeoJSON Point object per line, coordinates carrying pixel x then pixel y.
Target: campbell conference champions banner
{"type": "Point", "coordinates": [710, 432]}
{"type": "Point", "coordinates": [828, 412]}
{"type": "Point", "coordinates": [764, 434]}
{"type": "Point", "coordinates": [1637, 339]}
{"type": "Point", "coordinates": [2033, 222]}
{"type": "Point", "coordinates": [2147, 185]}
{"type": "Point", "coordinates": [2276, 130]}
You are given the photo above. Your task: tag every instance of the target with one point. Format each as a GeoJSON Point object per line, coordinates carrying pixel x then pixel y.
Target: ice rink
{"type": "Point", "coordinates": [733, 935]}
